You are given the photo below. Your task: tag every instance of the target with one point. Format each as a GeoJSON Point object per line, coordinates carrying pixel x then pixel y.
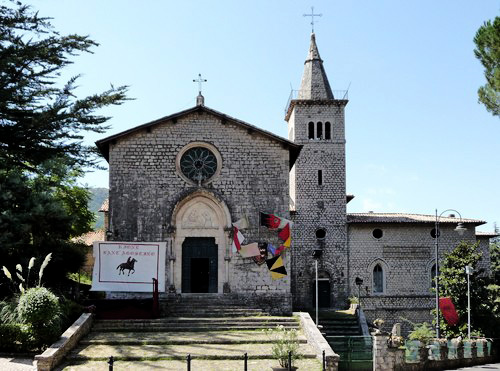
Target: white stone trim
{"type": "Point", "coordinates": [385, 269]}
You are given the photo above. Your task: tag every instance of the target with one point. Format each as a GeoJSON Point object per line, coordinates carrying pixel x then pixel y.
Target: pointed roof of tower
{"type": "Point", "coordinates": [315, 85]}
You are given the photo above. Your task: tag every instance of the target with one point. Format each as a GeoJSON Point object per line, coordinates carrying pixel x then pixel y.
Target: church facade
{"type": "Point", "coordinates": [184, 179]}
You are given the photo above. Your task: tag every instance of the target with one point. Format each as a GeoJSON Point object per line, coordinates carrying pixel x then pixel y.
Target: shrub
{"type": "Point", "coordinates": [284, 341]}
{"type": "Point", "coordinates": [38, 305]}
{"type": "Point", "coordinates": [39, 308]}
{"type": "Point", "coordinates": [16, 337]}
{"type": "Point", "coordinates": [422, 332]}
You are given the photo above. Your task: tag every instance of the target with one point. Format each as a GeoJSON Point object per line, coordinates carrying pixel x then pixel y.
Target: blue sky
{"type": "Point", "coordinates": [417, 140]}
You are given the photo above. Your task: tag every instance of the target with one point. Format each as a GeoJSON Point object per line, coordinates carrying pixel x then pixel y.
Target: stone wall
{"type": "Point", "coordinates": [406, 252]}
{"type": "Point", "coordinates": [147, 192]}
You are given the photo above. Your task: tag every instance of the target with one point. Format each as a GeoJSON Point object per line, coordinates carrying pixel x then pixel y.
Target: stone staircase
{"type": "Point", "coordinates": [215, 335]}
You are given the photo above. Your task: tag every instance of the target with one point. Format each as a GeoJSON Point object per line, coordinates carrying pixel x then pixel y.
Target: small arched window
{"type": "Point", "coordinates": [311, 130]}
{"type": "Point", "coordinates": [433, 275]}
{"type": "Point", "coordinates": [378, 279]}
{"type": "Point", "coordinates": [328, 131]}
{"type": "Point", "coordinates": [319, 130]}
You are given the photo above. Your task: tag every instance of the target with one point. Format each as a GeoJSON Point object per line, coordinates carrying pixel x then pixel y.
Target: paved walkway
{"type": "Point", "coordinates": [17, 364]}
{"type": "Point", "coordinates": [489, 366]}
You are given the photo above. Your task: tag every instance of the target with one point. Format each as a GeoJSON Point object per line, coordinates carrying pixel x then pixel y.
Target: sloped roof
{"type": "Point", "coordinates": [294, 149]}
{"type": "Point", "coordinates": [480, 234]}
{"type": "Point", "coordinates": [405, 218]}
{"type": "Point", "coordinates": [105, 206]}
{"type": "Point", "coordinates": [89, 238]}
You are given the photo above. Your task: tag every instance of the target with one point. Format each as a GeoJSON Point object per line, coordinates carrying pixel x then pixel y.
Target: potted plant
{"type": "Point", "coordinates": [284, 341]}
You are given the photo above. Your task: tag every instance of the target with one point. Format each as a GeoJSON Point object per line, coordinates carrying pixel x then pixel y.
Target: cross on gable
{"type": "Point", "coordinates": [199, 81]}
{"type": "Point", "coordinates": [312, 15]}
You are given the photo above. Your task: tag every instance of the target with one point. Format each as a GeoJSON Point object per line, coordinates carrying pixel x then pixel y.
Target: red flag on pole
{"type": "Point", "coordinates": [449, 312]}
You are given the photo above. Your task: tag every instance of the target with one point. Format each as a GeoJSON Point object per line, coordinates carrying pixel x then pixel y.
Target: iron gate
{"type": "Point", "coordinates": [355, 352]}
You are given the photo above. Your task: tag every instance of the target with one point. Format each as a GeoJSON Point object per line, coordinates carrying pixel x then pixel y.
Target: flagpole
{"type": "Point", "coordinates": [316, 264]}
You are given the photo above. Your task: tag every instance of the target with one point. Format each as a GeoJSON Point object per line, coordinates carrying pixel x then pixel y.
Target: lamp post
{"type": "Point", "coordinates": [460, 229]}
{"type": "Point", "coordinates": [468, 272]}
{"type": "Point", "coordinates": [316, 255]}
{"type": "Point", "coordinates": [358, 281]}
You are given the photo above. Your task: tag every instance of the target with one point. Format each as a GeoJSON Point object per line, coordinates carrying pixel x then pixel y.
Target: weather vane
{"type": "Point", "coordinates": [312, 15]}
{"type": "Point", "coordinates": [199, 81]}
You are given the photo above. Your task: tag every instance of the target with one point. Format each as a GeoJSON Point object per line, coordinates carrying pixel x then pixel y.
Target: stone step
{"type": "Point", "coordinates": [198, 327]}
{"type": "Point", "coordinates": [166, 352]}
{"type": "Point", "coordinates": [179, 338]}
{"type": "Point", "coordinates": [169, 320]}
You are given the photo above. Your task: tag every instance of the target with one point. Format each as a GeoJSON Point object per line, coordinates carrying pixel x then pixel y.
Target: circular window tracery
{"type": "Point", "coordinates": [198, 164]}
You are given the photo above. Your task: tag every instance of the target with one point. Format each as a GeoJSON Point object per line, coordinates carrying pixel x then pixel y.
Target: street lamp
{"type": "Point", "coordinates": [460, 229]}
{"type": "Point", "coordinates": [316, 255]}
{"type": "Point", "coordinates": [358, 281]}
{"type": "Point", "coordinates": [468, 272]}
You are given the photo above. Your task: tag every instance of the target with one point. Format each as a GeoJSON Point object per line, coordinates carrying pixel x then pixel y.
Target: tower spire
{"type": "Point", "coordinates": [314, 85]}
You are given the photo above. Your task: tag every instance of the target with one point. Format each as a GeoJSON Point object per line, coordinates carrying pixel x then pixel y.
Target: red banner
{"type": "Point", "coordinates": [449, 312]}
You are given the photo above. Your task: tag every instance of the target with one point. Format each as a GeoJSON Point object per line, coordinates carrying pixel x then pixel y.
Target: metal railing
{"type": "Point", "coordinates": [337, 94]}
{"type": "Point", "coordinates": [112, 360]}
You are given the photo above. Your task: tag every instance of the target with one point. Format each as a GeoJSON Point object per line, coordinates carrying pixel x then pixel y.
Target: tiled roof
{"type": "Point", "coordinates": [89, 238]}
{"type": "Point", "coordinates": [405, 218]}
{"type": "Point", "coordinates": [105, 206]}
{"type": "Point", "coordinates": [486, 234]}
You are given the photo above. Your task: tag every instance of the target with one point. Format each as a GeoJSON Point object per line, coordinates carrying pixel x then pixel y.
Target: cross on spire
{"type": "Point", "coordinates": [312, 15]}
{"type": "Point", "coordinates": [199, 81]}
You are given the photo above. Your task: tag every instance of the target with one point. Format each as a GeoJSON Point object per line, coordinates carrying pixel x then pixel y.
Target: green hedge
{"type": "Point", "coordinates": [16, 337]}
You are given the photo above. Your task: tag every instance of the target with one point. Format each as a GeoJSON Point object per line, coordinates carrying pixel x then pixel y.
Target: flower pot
{"type": "Point", "coordinates": [294, 368]}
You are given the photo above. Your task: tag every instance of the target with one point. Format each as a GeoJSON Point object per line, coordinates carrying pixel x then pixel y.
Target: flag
{"type": "Point", "coordinates": [238, 238]}
{"type": "Point", "coordinates": [449, 312]}
{"type": "Point", "coordinates": [251, 250]}
{"type": "Point", "coordinates": [279, 250]}
{"type": "Point", "coordinates": [242, 223]}
{"type": "Point", "coordinates": [272, 221]}
{"type": "Point", "coordinates": [261, 259]}
{"type": "Point", "coordinates": [285, 235]}
{"type": "Point", "coordinates": [271, 249]}
{"type": "Point", "coordinates": [276, 267]}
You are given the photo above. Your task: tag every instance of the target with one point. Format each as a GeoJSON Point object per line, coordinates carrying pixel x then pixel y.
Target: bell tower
{"type": "Point", "coordinates": [317, 187]}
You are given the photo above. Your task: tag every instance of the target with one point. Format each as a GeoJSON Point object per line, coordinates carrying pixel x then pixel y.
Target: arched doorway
{"type": "Point", "coordinates": [200, 244]}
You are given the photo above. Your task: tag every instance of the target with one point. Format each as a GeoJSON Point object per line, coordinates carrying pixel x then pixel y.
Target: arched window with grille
{"type": "Point", "coordinates": [311, 130]}
{"type": "Point", "coordinates": [328, 131]}
{"type": "Point", "coordinates": [378, 279]}
{"type": "Point", "coordinates": [319, 130]}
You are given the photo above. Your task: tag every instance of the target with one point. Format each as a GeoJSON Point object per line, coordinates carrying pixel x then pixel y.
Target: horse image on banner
{"type": "Point", "coordinates": [128, 266]}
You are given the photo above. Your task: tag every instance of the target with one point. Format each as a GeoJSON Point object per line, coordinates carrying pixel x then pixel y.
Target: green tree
{"type": "Point", "coordinates": [42, 154]}
{"type": "Point", "coordinates": [487, 50]}
{"type": "Point", "coordinates": [453, 283]}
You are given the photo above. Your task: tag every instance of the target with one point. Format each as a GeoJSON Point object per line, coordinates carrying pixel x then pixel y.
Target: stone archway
{"type": "Point", "coordinates": [200, 219]}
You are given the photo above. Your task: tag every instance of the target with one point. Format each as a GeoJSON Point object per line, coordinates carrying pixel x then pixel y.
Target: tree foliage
{"type": "Point", "coordinates": [453, 283]}
{"type": "Point", "coordinates": [42, 154]}
{"type": "Point", "coordinates": [487, 50]}
{"type": "Point", "coordinates": [39, 119]}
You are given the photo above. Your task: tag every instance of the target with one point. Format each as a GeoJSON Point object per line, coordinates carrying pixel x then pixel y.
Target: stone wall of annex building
{"type": "Point", "coordinates": [145, 188]}
{"type": "Point", "coordinates": [406, 253]}
{"type": "Point", "coordinates": [319, 205]}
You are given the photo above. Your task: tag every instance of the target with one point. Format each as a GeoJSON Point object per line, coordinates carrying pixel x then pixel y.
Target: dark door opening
{"type": "Point", "coordinates": [199, 265]}
{"type": "Point", "coordinates": [324, 293]}
{"type": "Point", "coordinates": [200, 268]}
{"type": "Point", "coordinates": [324, 289]}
